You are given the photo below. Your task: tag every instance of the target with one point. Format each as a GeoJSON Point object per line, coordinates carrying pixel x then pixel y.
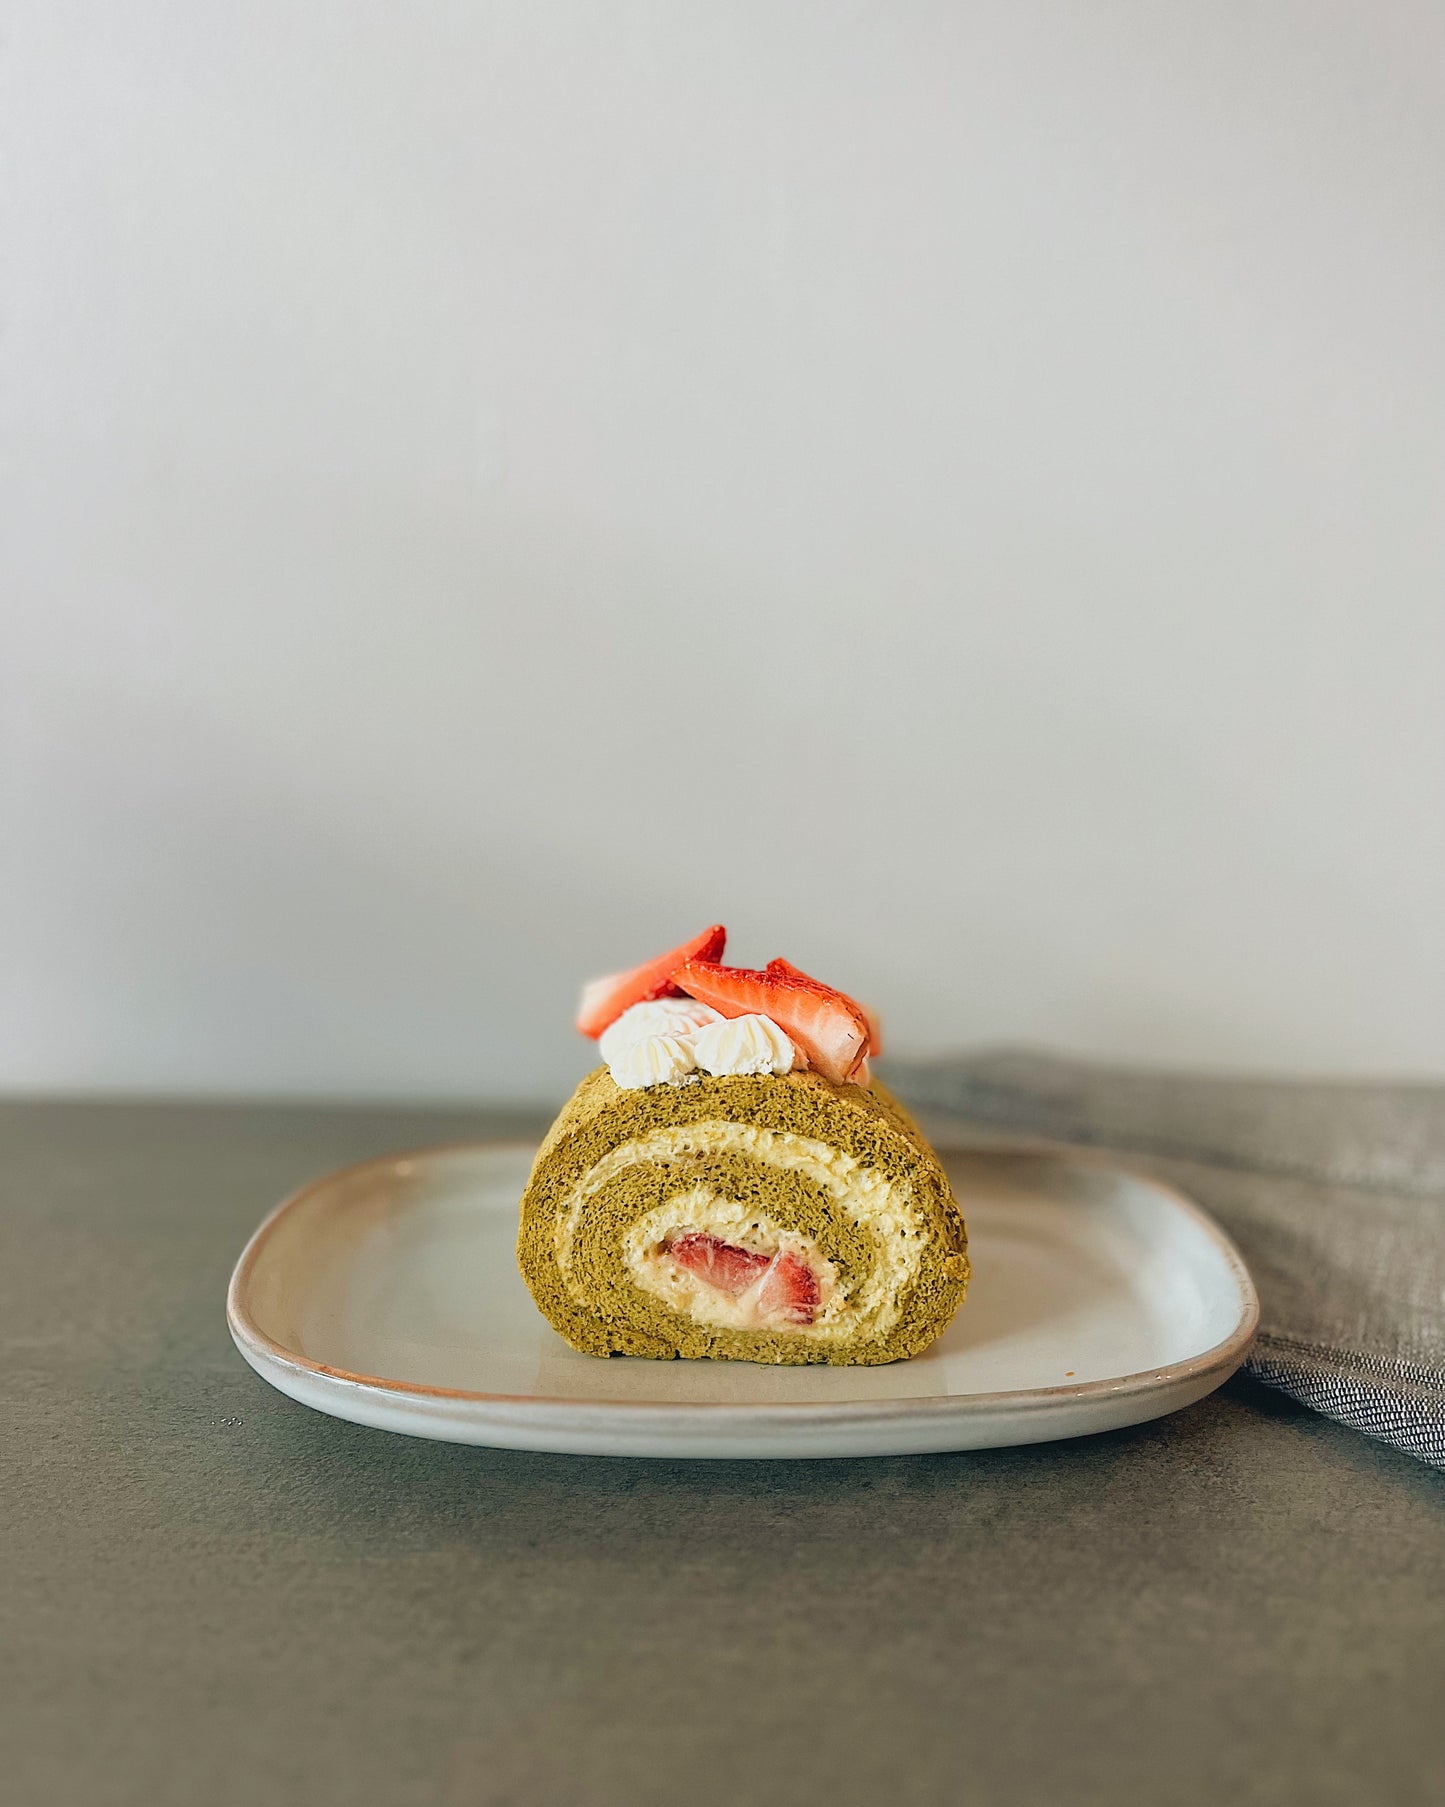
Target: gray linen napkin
{"type": "Point", "coordinates": [1334, 1192]}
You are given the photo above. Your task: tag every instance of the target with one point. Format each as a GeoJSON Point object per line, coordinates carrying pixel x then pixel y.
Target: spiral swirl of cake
{"type": "Point", "coordinates": [777, 1218]}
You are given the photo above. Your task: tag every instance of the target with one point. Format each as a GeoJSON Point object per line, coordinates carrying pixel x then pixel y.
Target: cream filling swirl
{"type": "Point", "coordinates": [883, 1209]}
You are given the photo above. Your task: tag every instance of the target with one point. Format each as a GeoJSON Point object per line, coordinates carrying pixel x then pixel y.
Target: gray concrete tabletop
{"type": "Point", "coordinates": [212, 1595]}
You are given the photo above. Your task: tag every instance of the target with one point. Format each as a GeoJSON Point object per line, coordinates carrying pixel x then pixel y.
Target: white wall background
{"type": "Point", "coordinates": [953, 490]}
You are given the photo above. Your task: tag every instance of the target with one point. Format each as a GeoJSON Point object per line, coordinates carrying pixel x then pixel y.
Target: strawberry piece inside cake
{"type": "Point", "coordinates": [785, 1287]}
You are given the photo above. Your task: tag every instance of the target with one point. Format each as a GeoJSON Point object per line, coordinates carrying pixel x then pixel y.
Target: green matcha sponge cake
{"type": "Point", "coordinates": [733, 1183]}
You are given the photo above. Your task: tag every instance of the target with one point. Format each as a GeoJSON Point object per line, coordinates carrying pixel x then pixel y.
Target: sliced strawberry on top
{"type": "Point", "coordinates": [830, 1029]}
{"type": "Point", "coordinates": [786, 969]}
{"type": "Point", "coordinates": [605, 999]}
{"type": "Point", "coordinates": [789, 1288]}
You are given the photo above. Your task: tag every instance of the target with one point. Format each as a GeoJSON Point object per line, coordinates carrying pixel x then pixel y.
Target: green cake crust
{"type": "Point", "coordinates": [593, 1300]}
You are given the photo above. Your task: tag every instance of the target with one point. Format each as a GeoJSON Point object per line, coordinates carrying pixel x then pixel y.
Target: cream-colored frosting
{"type": "Point", "coordinates": [654, 1060]}
{"type": "Point", "coordinates": [743, 1044]}
{"type": "Point", "coordinates": [664, 1041]}
{"type": "Point", "coordinates": [659, 1016]}
{"type": "Point", "coordinates": [884, 1209]}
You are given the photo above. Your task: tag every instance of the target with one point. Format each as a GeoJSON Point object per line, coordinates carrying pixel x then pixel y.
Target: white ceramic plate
{"type": "Point", "coordinates": [388, 1294]}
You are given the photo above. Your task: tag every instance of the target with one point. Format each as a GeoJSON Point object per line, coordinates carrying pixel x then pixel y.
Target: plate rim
{"type": "Point", "coordinates": [1222, 1357]}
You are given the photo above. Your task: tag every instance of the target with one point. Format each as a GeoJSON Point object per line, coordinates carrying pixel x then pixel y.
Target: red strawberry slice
{"type": "Point", "coordinates": [831, 1030]}
{"type": "Point", "coordinates": [790, 1287]}
{"type": "Point", "coordinates": [791, 1290]}
{"type": "Point", "coordinates": [722, 1264]}
{"type": "Point", "coordinates": [605, 999]}
{"type": "Point", "coordinates": [786, 969]}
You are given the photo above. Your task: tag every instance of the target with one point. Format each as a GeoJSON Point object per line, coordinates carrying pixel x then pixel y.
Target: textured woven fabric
{"type": "Point", "coordinates": [1335, 1193]}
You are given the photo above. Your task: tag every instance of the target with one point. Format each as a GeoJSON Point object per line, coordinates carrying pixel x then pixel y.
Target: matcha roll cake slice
{"type": "Point", "coordinates": [734, 1184]}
